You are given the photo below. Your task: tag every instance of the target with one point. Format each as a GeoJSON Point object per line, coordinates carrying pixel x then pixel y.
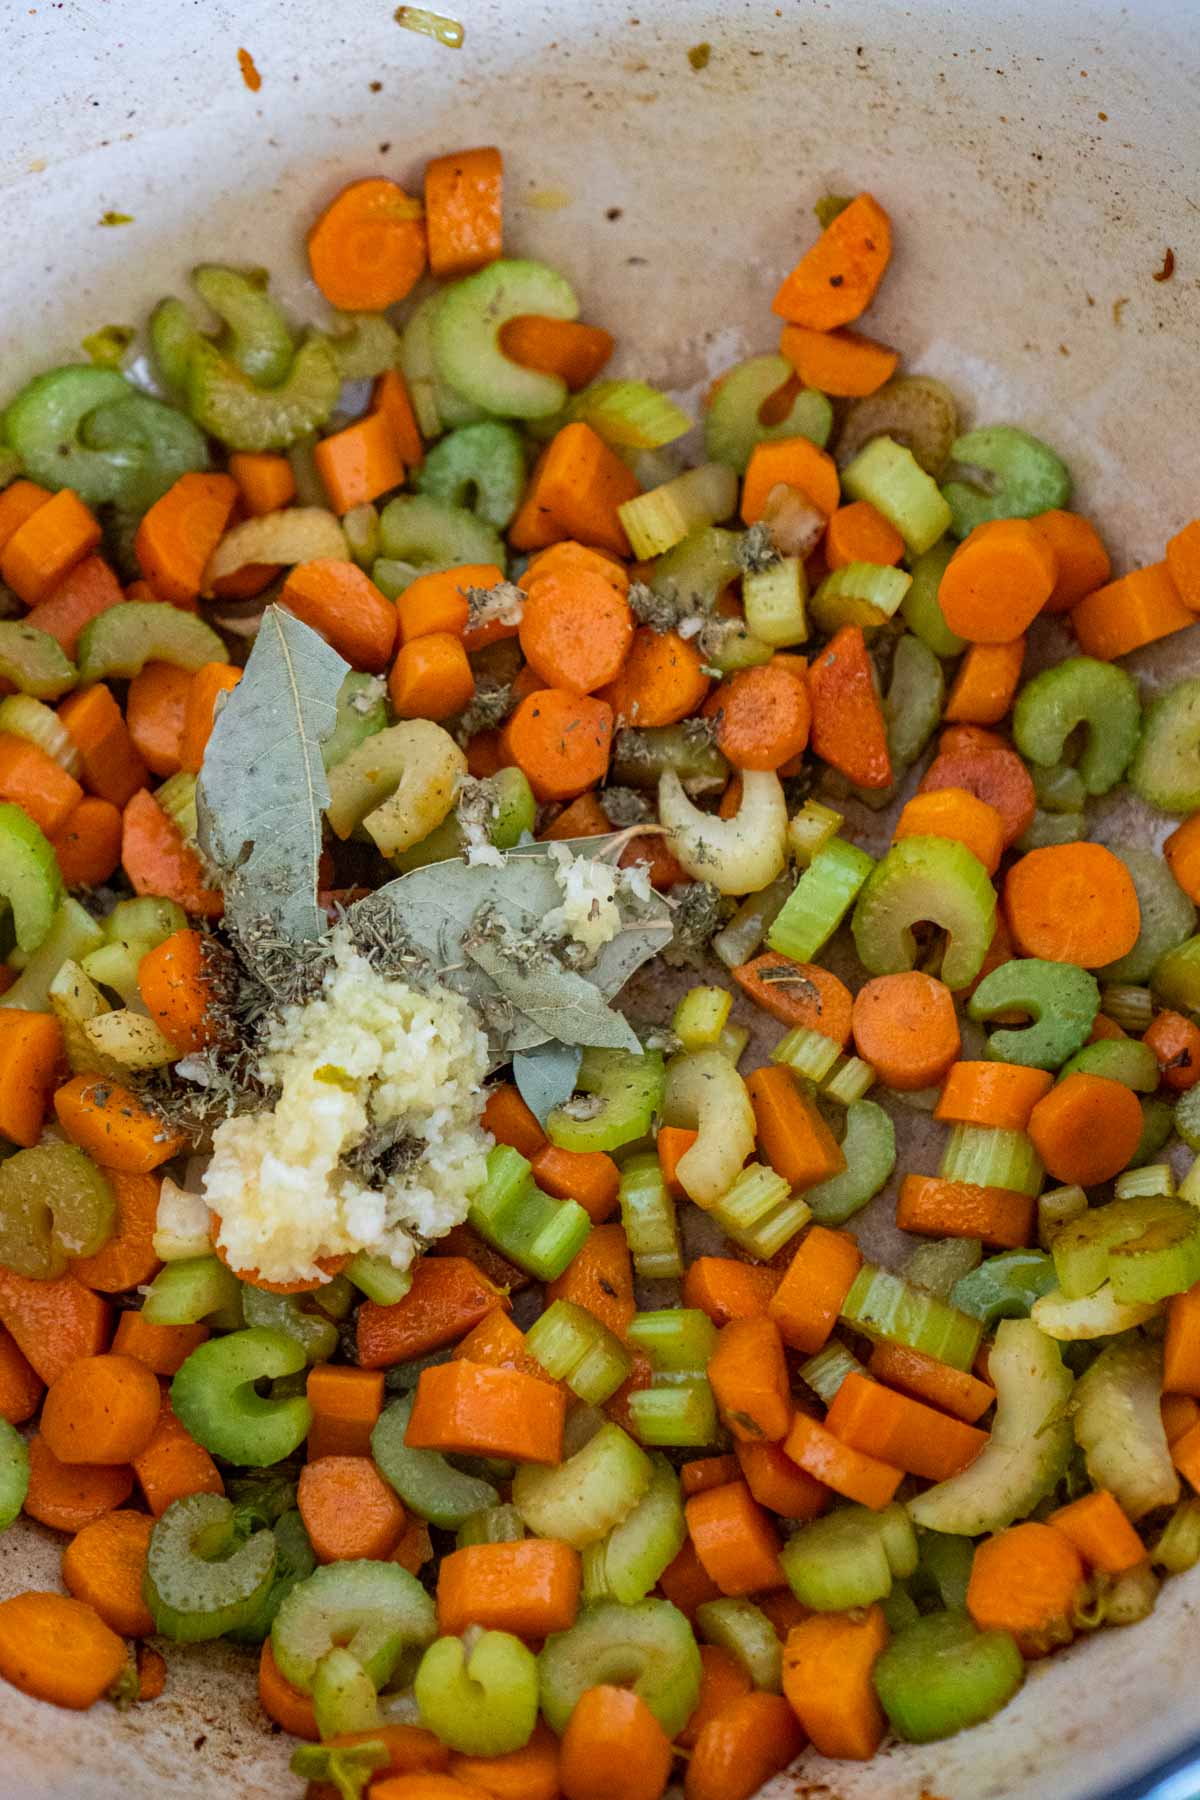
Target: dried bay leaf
{"type": "Point", "coordinates": [545, 1076]}
{"type": "Point", "coordinates": [563, 1004]}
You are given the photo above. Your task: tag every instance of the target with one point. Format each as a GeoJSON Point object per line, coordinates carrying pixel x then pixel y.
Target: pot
{"type": "Point", "coordinates": [1038, 161]}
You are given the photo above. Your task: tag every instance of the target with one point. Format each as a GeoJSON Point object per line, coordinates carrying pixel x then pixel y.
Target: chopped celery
{"type": "Point", "coordinates": [705, 1094]}
{"type": "Point", "coordinates": [1119, 1428]}
{"type": "Point", "coordinates": [1165, 770]}
{"type": "Point", "coordinates": [573, 1345]}
{"type": "Point", "coordinates": [775, 600]}
{"type": "Point", "coordinates": [913, 703]}
{"type": "Point", "coordinates": [244, 416]}
{"type": "Point", "coordinates": [820, 900]}
{"type": "Point", "coordinates": [33, 888]}
{"type": "Point", "coordinates": [539, 1234]}
{"type": "Point", "coordinates": [697, 570]}
{"type": "Point", "coordinates": [1148, 1247]}
{"type": "Point", "coordinates": [648, 1647]}
{"type": "Point", "coordinates": [809, 1054]}
{"type": "Point", "coordinates": [361, 712]}
{"type": "Point", "coordinates": [643, 754]}
{"type": "Point", "coordinates": [582, 1499]}
{"type": "Point", "coordinates": [733, 424]}
{"type": "Point", "coordinates": [810, 830]}
{"type": "Point", "coordinates": [1187, 1117]}
{"type": "Point", "coordinates": [678, 1340]}
{"type": "Point", "coordinates": [478, 467]}
{"type": "Point", "coordinates": [1049, 828]}
{"type": "Point", "coordinates": [294, 1563]}
{"type": "Point", "coordinates": [1122, 1599]}
{"type": "Point", "coordinates": [941, 1674]}
{"type": "Point", "coordinates": [1130, 1007]}
{"type": "Point", "coordinates": [1005, 1286]}
{"type": "Point", "coordinates": [658, 520]}
{"type": "Point", "coordinates": [1175, 977]}
{"type": "Point", "coordinates": [1059, 788]}
{"type": "Point", "coordinates": [760, 1212]}
{"type": "Point", "coordinates": [14, 1473]}
{"type": "Point", "coordinates": [944, 1568]}
{"type": "Point", "coordinates": [732, 1043]}
{"type": "Point", "coordinates": [745, 931]}
{"type": "Point", "coordinates": [1080, 692]}
{"type": "Point", "coordinates": [365, 346]}
{"type": "Point", "coordinates": [429, 1485]}
{"type": "Point", "coordinates": [649, 1221]}
{"type": "Point", "coordinates": [889, 476]}
{"type": "Point", "coordinates": [436, 404]}
{"type": "Point", "coordinates": [627, 1563]}
{"type": "Point", "coordinates": [215, 1397]}
{"type": "Point", "coordinates": [700, 1017]}
{"type": "Point", "coordinates": [926, 878]}
{"type": "Point", "coordinates": [1056, 1208]}
{"type": "Point", "coordinates": [989, 1157]}
{"type": "Point", "coordinates": [347, 1769]}
{"type": "Point", "coordinates": [630, 415]}
{"type": "Point", "coordinates": [491, 1525]}
{"type": "Point", "coordinates": [76, 1001]}
{"type": "Point", "coordinates": [1061, 999]}
{"type": "Point", "coordinates": [37, 666]}
{"type": "Point", "coordinates": [1177, 1548]}
{"type": "Point", "coordinates": [257, 337]}
{"type": "Point", "coordinates": [1002, 472]}
{"type": "Point", "coordinates": [124, 639]}
{"type": "Point", "coordinates": [745, 1631]}
{"type": "Point", "coordinates": [377, 1278]}
{"type": "Point", "coordinates": [317, 1337]}
{"type": "Point", "coordinates": [90, 430]}
{"type": "Point", "coordinates": [200, 1582]}
{"type": "Point", "coordinates": [481, 1700]}
{"type": "Point", "coordinates": [860, 593]}
{"type": "Point", "coordinates": [344, 1697]}
{"type": "Point", "coordinates": [191, 1289]}
{"type": "Point", "coordinates": [899, 1609]}
{"type": "Point", "coordinates": [851, 1079]}
{"type": "Point", "coordinates": [465, 331]}
{"type": "Point", "coordinates": [680, 1416]}
{"type": "Point", "coordinates": [886, 1308]}
{"type": "Point", "coordinates": [1167, 916]}
{"type": "Point", "coordinates": [376, 1610]}
{"type": "Point", "coordinates": [916, 410]}
{"type": "Point", "coordinates": [418, 534]}
{"type": "Point", "coordinates": [1096, 1315]}
{"type": "Point", "coordinates": [148, 919]}
{"type": "Point", "coordinates": [869, 1146]}
{"type": "Point", "coordinates": [624, 1092]}
{"type": "Point", "coordinates": [849, 1557]}
{"type": "Point", "coordinates": [938, 1263]}
{"type": "Point", "coordinates": [826, 1371]}
{"type": "Point", "coordinates": [1126, 1060]}
{"type": "Point", "coordinates": [921, 609]}
{"type": "Point", "coordinates": [1029, 1446]}
{"type": "Point", "coordinates": [361, 526]}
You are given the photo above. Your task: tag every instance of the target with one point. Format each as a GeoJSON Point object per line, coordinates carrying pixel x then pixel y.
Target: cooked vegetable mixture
{"type": "Point", "coordinates": [497, 1364]}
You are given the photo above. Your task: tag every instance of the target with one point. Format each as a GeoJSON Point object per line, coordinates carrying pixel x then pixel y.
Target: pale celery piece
{"type": "Point", "coordinates": [774, 601]}
{"type": "Point", "coordinates": [939, 1264]}
{"type": "Point", "coordinates": [921, 609]}
{"type": "Point", "coordinates": [1126, 1060]}
{"type": "Point", "coordinates": [481, 1700]}
{"type": "Point", "coordinates": [990, 1157]}
{"type": "Point", "coordinates": [626, 1090]}
{"type": "Point", "coordinates": [1118, 1426]}
{"type": "Point", "coordinates": [200, 1582]}
{"type": "Point", "coordinates": [419, 534]}
{"type": "Point", "coordinates": [733, 423]}
{"type": "Point", "coordinates": [809, 1054]}
{"type": "Point", "coordinates": [23, 716]}
{"type": "Point", "coordinates": [820, 900]}
{"type": "Point", "coordinates": [658, 520]}
{"type": "Point", "coordinates": [376, 1610]}
{"type": "Point", "coordinates": [649, 1221]}
{"type": "Point", "coordinates": [35, 663]}
{"type": "Point", "coordinates": [940, 1674]}
{"type": "Point", "coordinates": [888, 1309]}
{"type": "Point", "coordinates": [1147, 1246]}
{"type": "Point", "coordinates": [317, 1336]}
{"type": "Point", "coordinates": [1166, 916]}
{"type": "Point", "coordinates": [889, 476]}
{"type": "Point", "coordinates": [1165, 770]}
{"type": "Point", "coordinates": [648, 1647]}
{"type": "Point", "coordinates": [377, 1278]}
{"type": "Point", "coordinates": [627, 1564]}
{"type": "Point", "coordinates": [700, 1017]}
{"type": "Point", "coordinates": [912, 706]}
{"type": "Point", "coordinates": [850, 1558]}
{"type": "Point", "coordinates": [682, 1415]}
{"type": "Point", "coordinates": [344, 1697]}
{"type": "Point", "coordinates": [190, 1289]}
{"type": "Point", "coordinates": [257, 337]}
{"type": "Point", "coordinates": [869, 1147]}
{"type": "Point", "coordinates": [851, 1079]}
{"type": "Point", "coordinates": [214, 1396]}
{"type": "Point", "coordinates": [630, 415]}
{"type": "Point", "coordinates": [1127, 1005]}
{"type": "Point", "coordinates": [760, 1212]}
{"type": "Point", "coordinates": [14, 1473]}
{"type": "Point", "coordinates": [48, 928]}
{"type": "Point", "coordinates": [745, 1631]}
{"type": "Point", "coordinates": [810, 830]}
{"type": "Point", "coordinates": [361, 712]}
{"type": "Point", "coordinates": [479, 467]}
{"type": "Point", "coordinates": [826, 1371]}
{"type": "Point", "coordinates": [861, 593]}
{"type": "Point", "coordinates": [466, 330]}
{"type": "Point", "coordinates": [121, 641]}
{"type": "Point", "coordinates": [437, 406]}
{"type": "Point", "coordinates": [574, 1346]}
{"type": "Point", "coordinates": [926, 878]}
{"type": "Point", "coordinates": [1175, 977]}
{"type": "Point", "coordinates": [583, 1498]}
{"type": "Point", "coordinates": [696, 570]}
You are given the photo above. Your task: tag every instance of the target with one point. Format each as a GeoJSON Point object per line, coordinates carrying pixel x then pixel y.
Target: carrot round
{"type": "Point", "coordinates": [58, 1649]}
{"type": "Point", "coordinates": [937, 1207]}
{"type": "Point", "coordinates": [922, 1376]}
{"type": "Point", "coordinates": [208, 684]}
{"type": "Point", "coordinates": [795, 462]}
{"type": "Point", "coordinates": [869, 1416]}
{"type": "Point", "coordinates": [1137, 609]}
{"type": "Point", "coordinates": [959, 814]}
{"type": "Point", "coordinates": [560, 742]}
{"type": "Point", "coordinates": [112, 767]}
{"type": "Point", "coordinates": [431, 678]}
{"type": "Point", "coordinates": [806, 1304]}
{"type": "Point", "coordinates": [859, 533]}
{"type": "Point", "coordinates": [156, 712]}
{"type": "Point", "coordinates": [68, 1496]}
{"type": "Point", "coordinates": [752, 1738]}
{"type": "Point", "coordinates": [849, 1472]}
{"type": "Point", "coordinates": [985, 683]}
{"type": "Point", "coordinates": [47, 545]}
{"type": "Point", "coordinates": [576, 627]}
{"type": "Point", "coordinates": [349, 1511]}
{"type": "Point", "coordinates": [32, 780]}
{"type": "Point", "coordinates": [163, 1348]}
{"type": "Point", "coordinates": [18, 502]}
{"type": "Point", "coordinates": [777, 1483]}
{"type": "Point", "coordinates": [1025, 1581]}
{"type": "Point", "coordinates": [530, 1587]}
{"type": "Point", "coordinates": [346, 607]}
{"type": "Point", "coordinates": [175, 982]}
{"type": "Point", "coordinates": [113, 1126]}
{"type": "Point", "coordinates": [463, 210]}
{"type": "Point", "coordinates": [843, 363]}
{"type": "Point", "coordinates": [600, 1278]}
{"type": "Point", "coordinates": [827, 1663]}
{"type": "Point", "coordinates": [530, 1773]}
{"type": "Point", "coordinates": [992, 1093]}
{"type": "Point", "coordinates": [31, 1050]}
{"type": "Point", "coordinates": [836, 279]}
{"type": "Point", "coordinates": [749, 1380]}
{"type": "Point", "coordinates": [1100, 1532]}
{"type": "Point", "coordinates": [1086, 1129]}
{"type": "Point", "coordinates": [21, 1387]}
{"type": "Point", "coordinates": [573, 351]}
{"type": "Point", "coordinates": [663, 681]}
{"type": "Point", "coordinates": [104, 1564]}
{"type": "Point", "coordinates": [1081, 561]}
{"type": "Point", "coordinates": [798, 993]}
{"type": "Point", "coordinates": [54, 1322]}
{"type": "Point", "coordinates": [87, 844]}
{"type": "Point", "coordinates": [178, 535]}
{"type": "Point", "coordinates": [174, 1465]}
{"type": "Point", "coordinates": [723, 1679]}
{"type": "Point", "coordinates": [763, 717]}
{"type": "Point", "coordinates": [265, 480]}
{"type": "Point", "coordinates": [991, 772]}
{"type": "Point", "coordinates": [283, 1703]}
{"type": "Point", "coordinates": [467, 1409]}
{"type": "Point", "coordinates": [576, 486]}
{"type": "Point", "coordinates": [613, 1748]}
{"type": "Point", "coordinates": [1175, 1042]}
{"type": "Point", "coordinates": [346, 1404]}
{"type": "Point", "coordinates": [735, 1539]}
{"type": "Point", "coordinates": [438, 601]}
{"type": "Point", "coordinates": [158, 861]}
{"type": "Point", "coordinates": [1073, 903]}
{"type": "Point", "coordinates": [721, 1287]}
{"type": "Point", "coordinates": [367, 250]}
{"type": "Point", "coordinates": [997, 581]}
{"type": "Point", "coordinates": [128, 1259]}
{"type": "Point", "coordinates": [103, 1409]}
{"type": "Point", "coordinates": [906, 1027]}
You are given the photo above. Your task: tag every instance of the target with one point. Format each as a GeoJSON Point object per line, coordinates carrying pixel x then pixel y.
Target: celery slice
{"type": "Point", "coordinates": [643, 754]}
{"type": "Point", "coordinates": [916, 410]}
{"type": "Point", "coordinates": [418, 534]}
{"type": "Point", "coordinates": [926, 878]}
{"type": "Point", "coordinates": [682, 1416]}
{"type": "Point", "coordinates": [540, 1234]}
{"type": "Point", "coordinates": [1097, 1315]}
{"type": "Point", "coordinates": [630, 415]}
{"type": "Point", "coordinates": [649, 1221]}
{"type": "Point", "coordinates": [1056, 1208]}
{"type": "Point", "coordinates": [214, 1395]}
{"type": "Point", "coordinates": [697, 570]}
{"type": "Point", "coordinates": [760, 1212]}
{"type": "Point", "coordinates": [1130, 1007]}
{"type": "Point", "coordinates": [574, 1346]}
{"type": "Point", "coordinates": [1177, 1548]}
{"type": "Point", "coordinates": [1165, 770]}
{"type": "Point", "coordinates": [1062, 1002]}
{"type": "Point", "coordinates": [1148, 1247]}
{"type": "Point", "coordinates": [889, 476]}
{"type": "Point", "coordinates": [124, 639]}
{"type": "Point", "coordinates": [676, 1340]}
{"type": "Point", "coordinates": [480, 468]}
{"type": "Point", "coordinates": [809, 1054]}
{"type": "Point", "coordinates": [658, 520]}
{"type": "Point", "coordinates": [55, 1203]}
{"type": "Point", "coordinates": [1167, 916]}
{"type": "Point", "coordinates": [1119, 1428]}
{"type": "Point", "coordinates": [869, 1146]}
{"type": "Point", "coordinates": [939, 1263]}
{"type": "Point", "coordinates": [648, 1647]}
{"type": "Point", "coordinates": [1074, 693]}
{"type": "Point", "coordinates": [989, 1157]}
{"type": "Point", "coordinates": [376, 1610]}
{"type": "Point", "coordinates": [231, 407]}
{"type": "Point", "coordinates": [1125, 1060]}
{"type": "Point", "coordinates": [775, 600]}
{"type": "Point", "coordinates": [913, 703]}
{"type": "Point", "coordinates": [820, 900]}
{"type": "Point", "coordinates": [36, 664]}
{"type": "Point", "coordinates": [199, 1581]}
{"type": "Point", "coordinates": [826, 1371]}
{"type": "Point", "coordinates": [491, 1525]}
{"type": "Point", "coordinates": [49, 928]}
{"type": "Point", "coordinates": [627, 1564]}
{"type": "Point", "coordinates": [481, 1699]}
{"type": "Point", "coordinates": [745, 1631]}
{"type": "Point", "coordinates": [1059, 788]}
{"type": "Point", "coordinates": [861, 593]}
{"type": "Point", "coordinates": [921, 608]}
{"type": "Point", "coordinates": [886, 1308]}
{"type": "Point", "coordinates": [811, 829]}
{"type": "Point", "coordinates": [582, 1499]}
{"type": "Point", "coordinates": [941, 1674]}
{"type": "Point", "coordinates": [1005, 1286]}
{"type": "Point", "coordinates": [700, 1017]}
{"type": "Point", "coordinates": [1175, 978]}
{"type": "Point", "coordinates": [733, 424]}
{"type": "Point", "coordinates": [184, 1292]}
{"type": "Point", "coordinates": [629, 1090]}
{"type": "Point", "coordinates": [850, 1557]}
{"type": "Point", "coordinates": [850, 1080]}
{"type": "Point", "coordinates": [1003, 473]}
{"type": "Point", "coordinates": [465, 330]}
{"type": "Point", "coordinates": [257, 336]}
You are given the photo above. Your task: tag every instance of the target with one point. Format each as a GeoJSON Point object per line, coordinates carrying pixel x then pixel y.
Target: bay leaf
{"type": "Point", "coordinates": [563, 1004]}
{"type": "Point", "coordinates": [545, 1076]}
{"type": "Point", "coordinates": [262, 789]}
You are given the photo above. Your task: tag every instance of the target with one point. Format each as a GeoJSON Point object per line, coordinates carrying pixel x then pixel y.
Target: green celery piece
{"type": "Point", "coordinates": [540, 1234]}
{"type": "Point", "coordinates": [1061, 1000]}
{"type": "Point", "coordinates": [244, 416]}
{"type": "Point", "coordinates": [317, 1337]}
{"type": "Point", "coordinates": [88, 429]}
{"type": "Point", "coordinates": [515, 807]}
{"type": "Point", "coordinates": [1119, 1428]}
{"type": "Point", "coordinates": [1165, 771]}
{"type": "Point", "coordinates": [921, 609]}
{"type": "Point", "coordinates": [31, 884]}
{"type": "Point", "coordinates": [344, 1697]}
{"type": "Point", "coordinates": [14, 1473]}
{"type": "Point", "coordinates": [649, 1220]}
{"type": "Point", "coordinates": [257, 337]}
{"type": "Point", "coordinates": [869, 1147]}
{"type": "Point", "coordinates": [899, 1609]}
{"type": "Point", "coordinates": [861, 593]}
{"type": "Point", "coordinates": [916, 410]}
{"type": "Point", "coordinates": [121, 641]}
{"type": "Point", "coordinates": [888, 1309]}
{"type": "Point", "coordinates": [888, 475]}
{"type": "Point", "coordinates": [681, 1415]}
{"type": "Point", "coordinates": [745, 1631]}
{"type": "Point", "coordinates": [346, 1768]}
{"type": "Point", "coordinates": [574, 1346]}
{"type": "Point", "coordinates": [1178, 1546]}
{"type": "Point", "coordinates": [629, 1088]}
{"type": "Point", "coordinates": [938, 1263]}
{"type": "Point", "coordinates": [1048, 829]}
{"type": "Point", "coordinates": [1126, 1060]}
{"type": "Point", "coordinates": [583, 1498]}
{"type": "Point", "coordinates": [943, 1570]}
{"type": "Point", "coordinates": [1005, 1286]}
{"type": "Point", "coordinates": [478, 467]}
{"type": "Point", "coordinates": [491, 1525]}
{"type": "Point", "coordinates": [376, 1610]}
{"type": "Point", "coordinates": [820, 900]}
{"type": "Point", "coordinates": [677, 1340]}
{"type": "Point", "coordinates": [34, 662]}
{"type": "Point", "coordinates": [428, 1484]}
{"type": "Point", "coordinates": [262, 1496]}
{"type": "Point", "coordinates": [695, 571]}
{"type": "Point", "coordinates": [482, 1700]}
{"type": "Point", "coordinates": [627, 1563]}
{"type": "Point", "coordinates": [361, 712]}
{"type": "Point", "coordinates": [214, 1397]}
{"type": "Point", "coordinates": [54, 1204]}
{"type": "Point", "coordinates": [643, 754]}
{"type": "Point", "coordinates": [466, 330]}
{"type": "Point", "coordinates": [200, 1582]}
{"type": "Point", "coordinates": [648, 1647]}
{"type": "Point", "coordinates": [1074, 693]}
{"type": "Point", "coordinates": [377, 1278]}
{"type": "Point", "coordinates": [437, 406]}
{"type": "Point", "coordinates": [1187, 1117]}
{"type": "Point", "coordinates": [1059, 788]}
{"type": "Point", "coordinates": [1029, 1446]}
{"type": "Point", "coordinates": [1158, 1118]}
{"type": "Point", "coordinates": [149, 919]}
{"type": "Point", "coordinates": [1148, 1247]}
{"type": "Point", "coordinates": [850, 1557]}
{"type": "Point", "coordinates": [630, 416]}
{"type": "Point", "coordinates": [913, 704]}
{"type": "Point", "coordinates": [1167, 916]}
{"type": "Point", "coordinates": [1016, 477]}
{"type": "Point", "coordinates": [1175, 977]}
{"type": "Point", "coordinates": [418, 534]}
{"type": "Point", "coordinates": [926, 878]}
{"type": "Point", "coordinates": [294, 1563]}
{"type": "Point", "coordinates": [184, 1292]}
{"type": "Point", "coordinates": [365, 346]}
{"type": "Point", "coordinates": [733, 424]}
{"type": "Point", "coordinates": [826, 1371]}
{"type": "Point", "coordinates": [941, 1674]}
{"type": "Point", "coordinates": [988, 1157]}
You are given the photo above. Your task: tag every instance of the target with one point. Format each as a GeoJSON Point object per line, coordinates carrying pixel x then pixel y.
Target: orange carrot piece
{"type": "Point", "coordinates": [560, 742]}
{"type": "Point", "coordinates": [806, 1304]}
{"type": "Point", "coordinates": [530, 1587]}
{"type": "Point", "coordinates": [431, 678]}
{"type": "Point", "coordinates": [1182, 851]}
{"type": "Point", "coordinates": [858, 533]}
{"type": "Point", "coordinates": [84, 592]}
{"type": "Point", "coordinates": [1135, 610]}
{"type": "Point", "coordinates": [763, 716]}
{"type": "Point", "coordinates": [173, 1464]}
{"type": "Point", "coordinates": [992, 773]}
{"type": "Point", "coordinates": [997, 581]}
{"type": "Point", "coordinates": [349, 1510]}
{"type": "Point", "coordinates": [54, 1322]}
{"type": "Point", "coordinates": [798, 994]}
{"type": "Point", "coordinates": [156, 713]}
{"type": "Point", "coordinates": [511, 1122]}
{"type": "Point", "coordinates": [574, 492]}
{"type": "Point", "coordinates": [31, 779]}
{"type": "Point", "coordinates": [901, 1431]}
{"type": "Point", "coordinates": [1080, 557]}
{"type": "Point", "coordinates": [346, 1404]}
{"type": "Point", "coordinates": [734, 1538]}
{"type": "Point", "coordinates": [836, 279]}
{"type": "Point", "coordinates": [723, 1679]}
{"type": "Point", "coordinates": [662, 681]}
{"type": "Point", "coordinates": [954, 813]}
{"type": "Point", "coordinates": [102, 1409]}
{"type": "Point", "coordinates": [796, 463]}
{"type": "Point", "coordinates": [849, 1472]}
{"type": "Point", "coordinates": [163, 1348]}
{"type": "Point", "coordinates": [337, 599]}
{"type": "Point", "coordinates": [1025, 1580]}
{"type": "Point", "coordinates": [986, 683]}
{"type": "Point", "coordinates": [18, 502]}
{"type": "Point", "coordinates": [462, 1241]}
{"type": "Point", "coordinates": [178, 535]}
{"type": "Point", "coordinates": [1175, 1042]}
{"type": "Point", "coordinates": [827, 1664]}
{"type": "Point", "coordinates": [576, 627]}
{"type": "Point", "coordinates": [112, 768]}
{"type": "Point", "coordinates": [1100, 1532]}
{"type": "Point", "coordinates": [158, 861]}
{"type": "Point", "coordinates": [57, 1649]}
{"type": "Point", "coordinates": [1084, 1130]}
{"type": "Point", "coordinates": [584, 817]}
{"type": "Point", "coordinates": [31, 1050]}
{"type": "Point", "coordinates": [68, 1496]}
{"type": "Point", "coordinates": [725, 1289]}
{"type": "Point", "coordinates": [590, 1177]}
{"type": "Point", "coordinates": [751, 1739]}
{"type": "Point", "coordinates": [906, 1027]}
{"type": "Point", "coordinates": [1183, 564]}
{"type": "Point", "coordinates": [391, 398]}
{"type": "Point", "coordinates": [613, 1748]}
{"type": "Point", "coordinates": [686, 1583]}
{"type": "Point", "coordinates": [42, 550]}
{"type": "Point", "coordinates": [778, 1483]}
{"type": "Point", "coordinates": [848, 730]}
{"type": "Point", "coordinates": [1181, 1347]}
{"type": "Point", "coordinates": [463, 210]}
{"type": "Point", "coordinates": [500, 1344]}
{"type": "Point", "coordinates": [600, 1278]}
{"type": "Point", "coordinates": [924, 1378]}
{"type": "Point", "coordinates": [706, 1472]}
{"type": "Point", "coordinates": [113, 1126]}
{"type": "Point", "coordinates": [128, 1259]}
{"type": "Point", "coordinates": [749, 1380]}
{"type": "Point", "coordinates": [935, 1207]}
{"type": "Point", "coordinates": [207, 686]}
{"type": "Point", "coordinates": [21, 1387]}
{"type": "Point", "coordinates": [176, 984]}
{"type": "Point", "coordinates": [264, 479]}
{"type": "Point", "coordinates": [151, 1672]}
{"type": "Point", "coordinates": [414, 1547]}
{"type": "Point", "coordinates": [673, 1143]}
{"type": "Point", "coordinates": [663, 869]}
{"type": "Point", "coordinates": [530, 1773]}
{"type": "Point", "coordinates": [842, 363]}
{"type": "Point", "coordinates": [438, 602]}
{"type": "Point", "coordinates": [574, 352]}
{"type": "Point", "coordinates": [105, 1565]}
{"type": "Point", "coordinates": [792, 1135]}
{"type": "Point", "coordinates": [467, 1409]}
{"type": "Point", "coordinates": [448, 1296]}
{"type": "Point", "coordinates": [359, 463]}
{"type": "Point", "coordinates": [367, 250]}
{"type": "Point", "coordinates": [87, 845]}
{"type": "Point", "coordinates": [1072, 903]}
{"type": "Point", "coordinates": [283, 1703]}
{"type": "Point", "coordinates": [992, 1093]}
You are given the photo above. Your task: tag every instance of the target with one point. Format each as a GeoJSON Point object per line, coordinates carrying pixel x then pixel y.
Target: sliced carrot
{"type": "Point", "coordinates": [600, 1278]}
{"type": "Point", "coordinates": [1026, 1580]}
{"type": "Point", "coordinates": [175, 980]}
{"type": "Point", "coordinates": [156, 712]}
{"type": "Point", "coordinates": [1080, 557]}
{"type": "Point", "coordinates": [613, 1748]}
{"type": "Point", "coordinates": [448, 1296]}
{"type": "Point", "coordinates": [725, 1289]}
{"type": "Point", "coordinates": [1182, 851]}
{"type": "Point", "coordinates": [576, 627]}
{"type": "Point", "coordinates": [798, 993]}
{"type": "Point", "coordinates": [662, 681]}
{"type": "Point", "coordinates": [58, 1649]}
{"type": "Point", "coordinates": [47, 545]}
{"type": "Point", "coordinates": [113, 1126]}
{"type": "Point", "coordinates": [1181, 1347]}
{"type": "Point", "coordinates": [54, 1322]}
{"type": "Point", "coordinates": [992, 1093]}
{"type": "Point", "coordinates": [1086, 1129]}
{"type": "Point", "coordinates": [346, 1404]}
{"type": "Point", "coordinates": [584, 817]}
{"type": "Point", "coordinates": [734, 1539]}
{"type": "Point", "coordinates": [84, 592]}
{"type": "Point", "coordinates": [723, 1679]}
{"type": "Point", "coordinates": [848, 730]}
{"type": "Point", "coordinates": [900, 1430]}
{"type": "Point", "coordinates": [31, 1050]}
{"type": "Point", "coordinates": [283, 1703]}
{"type": "Point", "coordinates": [151, 1672]}
{"type": "Point", "coordinates": [986, 683]}
{"type": "Point", "coordinates": [796, 463]}
{"type": "Point", "coordinates": [836, 279]}
{"type": "Point", "coordinates": [438, 602]}
{"type": "Point", "coordinates": [349, 1510]}
{"type": "Point", "coordinates": [842, 363]}
{"type": "Point", "coordinates": [806, 1304]}
{"type": "Point", "coordinates": [849, 1472]}
{"type": "Point", "coordinates": [87, 845]}
{"type": "Point", "coordinates": [31, 779]}
{"type": "Point", "coordinates": [751, 1739]}
{"type": "Point", "coordinates": [792, 1135]}
{"type": "Point", "coordinates": [173, 1465]}
{"type": "Point", "coordinates": [158, 861]}
{"type": "Point", "coordinates": [827, 1664]}
{"type": "Point", "coordinates": [467, 1409]}
{"type": "Point", "coordinates": [68, 1496]}
{"type": "Point", "coordinates": [1072, 903]}
{"type": "Point", "coordinates": [431, 678]}
{"type": "Point", "coordinates": [463, 210]}
{"type": "Point", "coordinates": [906, 1027]}
{"type": "Point", "coordinates": [178, 535]}
{"type": "Point", "coordinates": [21, 1387]}
{"type": "Point", "coordinates": [500, 1344]}
{"type": "Point", "coordinates": [391, 398]}
{"type": "Point", "coordinates": [939, 1208]}
{"type": "Point", "coordinates": [527, 1774]}
{"type": "Point", "coordinates": [574, 352]}
{"type": "Point", "coordinates": [367, 250]}
{"type": "Point", "coordinates": [763, 717]}
{"type": "Point", "coordinates": [1183, 564]}
{"type": "Point", "coordinates": [1175, 1042]}
{"type": "Point", "coordinates": [560, 742]}
{"type": "Point", "coordinates": [511, 1122]}
{"type": "Point", "coordinates": [663, 868]}
{"type": "Point", "coordinates": [105, 1565]}
{"type": "Point", "coordinates": [18, 502]}
{"type": "Point", "coordinates": [337, 599]}
{"type": "Point", "coordinates": [102, 1409]}
{"type": "Point", "coordinates": [128, 1259]}
{"type": "Point", "coordinates": [360, 462]}
{"type": "Point", "coordinates": [706, 1472]}
{"type": "Point", "coordinates": [530, 1588]}
{"type": "Point", "coordinates": [409, 1747]}
{"type": "Point", "coordinates": [112, 768]}
{"type": "Point", "coordinates": [923, 1377]}
{"type": "Point", "coordinates": [163, 1348]}
{"type": "Point", "coordinates": [1100, 1532]}
{"type": "Point", "coordinates": [208, 685]}
{"type": "Point", "coordinates": [994, 774]}
{"type": "Point", "coordinates": [997, 581]}
{"type": "Point", "coordinates": [858, 533]}
{"type": "Point", "coordinates": [462, 1241]}
{"type": "Point", "coordinates": [686, 1583]}
{"type": "Point", "coordinates": [749, 1380]}
{"type": "Point", "coordinates": [574, 492]}
{"type": "Point", "coordinates": [1135, 610]}
{"type": "Point", "coordinates": [778, 1483]}
{"type": "Point", "coordinates": [955, 813]}
{"type": "Point", "coordinates": [265, 480]}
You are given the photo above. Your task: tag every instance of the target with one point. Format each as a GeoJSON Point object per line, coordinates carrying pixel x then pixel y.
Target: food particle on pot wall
{"type": "Point", "coordinates": [250, 74]}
